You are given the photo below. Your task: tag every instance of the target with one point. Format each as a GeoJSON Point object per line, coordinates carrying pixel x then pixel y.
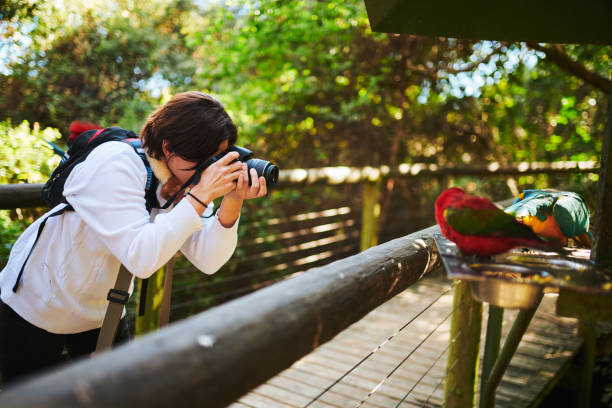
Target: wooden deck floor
{"type": "Point", "coordinates": [408, 369]}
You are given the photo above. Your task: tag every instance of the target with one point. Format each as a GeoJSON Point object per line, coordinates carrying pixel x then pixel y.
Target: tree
{"type": "Point", "coordinates": [95, 62]}
{"type": "Point", "coordinates": [13, 10]}
{"type": "Point", "coordinates": [311, 85]}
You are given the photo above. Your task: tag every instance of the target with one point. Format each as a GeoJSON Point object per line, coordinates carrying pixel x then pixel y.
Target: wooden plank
{"type": "Point", "coordinates": [321, 378]}
{"type": "Point", "coordinates": [300, 249]}
{"type": "Point", "coordinates": [21, 196]}
{"type": "Point", "coordinates": [29, 195]}
{"type": "Point", "coordinates": [257, 400]}
{"type": "Point", "coordinates": [379, 368]}
{"type": "Point", "coordinates": [289, 398]}
{"type": "Point", "coordinates": [360, 378]}
{"type": "Point", "coordinates": [300, 264]}
{"type": "Point", "coordinates": [295, 262]}
{"type": "Point", "coordinates": [362, 383]}
{"type": "Point", "coordinates": [308, 391]}
{"type": "Point", "coordinates": [341, 393]}
{"type": "Point", "coordinates": [239, 405]}
{"type": "Point", "coordinates": [312, 215]}
{"type": "Point", "coordinates": [297, 238]}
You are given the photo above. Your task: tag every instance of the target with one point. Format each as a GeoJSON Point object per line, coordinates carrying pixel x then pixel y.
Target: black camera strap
{"type": "Point", "coordinates": [194, 179]}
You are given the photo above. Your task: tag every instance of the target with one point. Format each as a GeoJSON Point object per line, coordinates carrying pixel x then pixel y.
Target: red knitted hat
{"type": "Point", "coordinates": [77, 127]}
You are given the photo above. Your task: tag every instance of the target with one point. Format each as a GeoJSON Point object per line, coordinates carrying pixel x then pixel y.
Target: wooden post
{"type": "Point", "coordinates": [588, 330]}
{"type": "Point", "coordinates": [493, 337]}
{"type": "Point", "coordinates": [588, 309]}
{"type": "Point", "coordinates": [503, 360]}
{"type": "Point", "coordinates": [370, 214]}
{"type": "Point", "coordinates": [164, 314]}
{"type": "Point", "coordinates": [150, 320]}
{"type": "Point", "coordinates": [462, 360]}
{"type": "Point", "coordinates": [602, 241]}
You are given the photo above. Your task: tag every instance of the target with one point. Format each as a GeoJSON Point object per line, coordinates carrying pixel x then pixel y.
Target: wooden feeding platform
{"type": "Point", "coordinates": [517, 280]}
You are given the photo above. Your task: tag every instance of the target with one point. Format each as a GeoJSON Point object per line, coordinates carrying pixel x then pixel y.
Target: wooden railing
{"type": "Point", "coordinates": [28, 195]}
{"type": "Point", "coordinates": [213, 358]}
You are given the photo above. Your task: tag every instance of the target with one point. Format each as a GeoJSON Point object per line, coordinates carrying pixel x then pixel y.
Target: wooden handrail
{"type": "Point", "coordinates": [28, 195]}
{"type": "Point", "coordinates": [343, 175]}
{"type": "Point", "coordinates": [20, 196]}
{"type": "Point", "coordinates": [213, 358]}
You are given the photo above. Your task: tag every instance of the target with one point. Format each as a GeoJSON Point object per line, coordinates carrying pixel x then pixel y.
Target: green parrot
{"type": "Point", "coordinates": [554, 214]}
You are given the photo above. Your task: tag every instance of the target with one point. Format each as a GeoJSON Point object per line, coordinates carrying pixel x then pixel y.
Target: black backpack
{"type": "Point", "coordinates": [85, 143]}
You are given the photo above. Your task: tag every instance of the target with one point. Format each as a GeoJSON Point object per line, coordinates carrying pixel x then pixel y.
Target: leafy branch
{"type": "Point", "coordinates": [558, 56]}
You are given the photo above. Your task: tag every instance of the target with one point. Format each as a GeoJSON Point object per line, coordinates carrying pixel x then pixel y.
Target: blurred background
{"type": "Point", "coordinates": [309, 85]}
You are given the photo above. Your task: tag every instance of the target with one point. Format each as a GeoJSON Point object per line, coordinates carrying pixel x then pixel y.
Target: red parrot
{"type": "Point", "coordinates": [479, 227]}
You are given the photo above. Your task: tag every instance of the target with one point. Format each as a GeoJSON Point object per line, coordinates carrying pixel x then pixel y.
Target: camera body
{"type": "Point", "coordinates": [264, 168]}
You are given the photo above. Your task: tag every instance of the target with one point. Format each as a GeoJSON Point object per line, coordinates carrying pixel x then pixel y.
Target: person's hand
{"type": "Point", "coordinates": [243, 191]}
{"type": "Point", "coordinates": [218, 179]}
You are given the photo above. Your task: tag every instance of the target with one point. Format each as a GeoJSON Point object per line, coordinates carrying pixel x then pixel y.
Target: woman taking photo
{"type": "Point", "coordinates": [56, 296]}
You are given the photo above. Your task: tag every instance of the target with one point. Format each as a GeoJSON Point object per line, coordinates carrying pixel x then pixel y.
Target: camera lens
{"type": "Point", "coordinates": [264, 168]}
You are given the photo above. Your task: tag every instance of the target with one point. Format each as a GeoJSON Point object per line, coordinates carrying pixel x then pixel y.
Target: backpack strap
{"type": "Point", "coordinates": [151, 202]}
{"type": "Point", "coordinates": [152, 182]}
{"type": "Point", "coordinates": [38, 233]}
{"type": "Point", "coordinates": [117, 298]}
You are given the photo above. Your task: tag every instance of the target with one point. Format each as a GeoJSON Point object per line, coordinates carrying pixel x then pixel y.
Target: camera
{"type": "Point", "coordinates": [263, 167]}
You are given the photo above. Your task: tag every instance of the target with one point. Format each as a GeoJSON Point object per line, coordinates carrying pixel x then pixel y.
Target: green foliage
{"type": "Point", "coordinates": [309, 85]}
{"type": "Point", "coordinates": [9, 232]}
{"type": "Point", "coordinates": [11, 10]}
{"type": "Point", "coordinates": [25, 157]}
{"type": "Point", "coordinates": [312, 85]}
{"type": "Point", "coordinates": [95, 62]}
{"type": "Point", "coordinates": [544, 114]}
{"type": "Point", "coordinates": [308, 82]}
{"type": "Point", "coordinates": [602, 380]}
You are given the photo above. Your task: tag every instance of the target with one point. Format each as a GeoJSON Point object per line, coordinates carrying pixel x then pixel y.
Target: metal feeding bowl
{"type": "Point", "coordinates": [504, 288]}
{"type": "Point", "coordinates": [516, 279]}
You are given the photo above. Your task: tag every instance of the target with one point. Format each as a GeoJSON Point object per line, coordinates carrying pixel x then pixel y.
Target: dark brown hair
{"type": "Point", "coordinates": [193, 123]}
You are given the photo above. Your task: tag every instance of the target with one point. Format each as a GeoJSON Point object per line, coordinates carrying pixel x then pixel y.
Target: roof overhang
{"type": "Point", "coordinates": [559, 21]}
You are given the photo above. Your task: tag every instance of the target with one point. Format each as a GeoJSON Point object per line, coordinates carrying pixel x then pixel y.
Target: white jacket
{"type": "Point", "coordinates": [77, 258]}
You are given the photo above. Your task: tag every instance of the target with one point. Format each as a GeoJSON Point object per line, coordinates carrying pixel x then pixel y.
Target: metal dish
{"type": "Point", "coordinates": [505, 285]}
{"type": "Point", "coordinates": [505, 294]}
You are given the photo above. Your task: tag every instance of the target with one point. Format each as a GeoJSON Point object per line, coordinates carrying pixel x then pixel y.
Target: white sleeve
{"type": "Point", "coordinates": [211, 247]}
{"type": "Point", "coordinates": [107, 192]}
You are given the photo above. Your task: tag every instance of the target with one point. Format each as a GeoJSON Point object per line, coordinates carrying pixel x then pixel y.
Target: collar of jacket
{"type": "Point", "coordinates": [161, 171]}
